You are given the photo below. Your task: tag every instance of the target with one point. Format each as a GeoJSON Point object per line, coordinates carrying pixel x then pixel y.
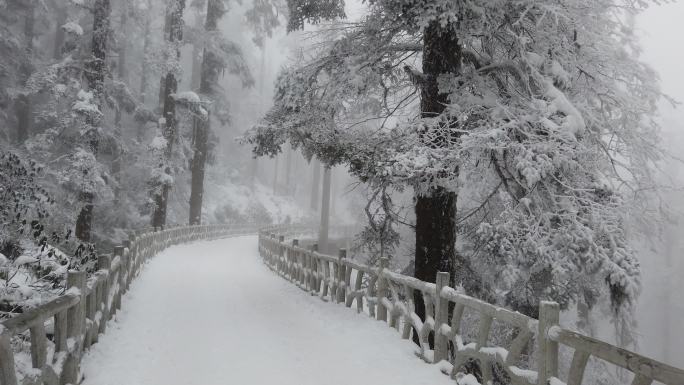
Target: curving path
{"type": "Point", "coordinates": [212, 314]}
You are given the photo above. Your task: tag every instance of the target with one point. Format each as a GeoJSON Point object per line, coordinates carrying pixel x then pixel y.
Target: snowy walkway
{"type": "Point", "coordinates": [213, 314]}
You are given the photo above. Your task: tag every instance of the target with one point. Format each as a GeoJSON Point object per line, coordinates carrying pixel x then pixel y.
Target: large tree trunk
{"type": "Point", "coordinates": [435, 209]}
{"type": "Point", "coordinates": [95, 75]}
{"type": "Point", "coordinates": [209, 77]}
{"type": "Point", "coordinates": [199, 160]}
{"type": "Point", "coordinates": [23, 105]}
{"type": "Point", "coordinates": [175, 35]}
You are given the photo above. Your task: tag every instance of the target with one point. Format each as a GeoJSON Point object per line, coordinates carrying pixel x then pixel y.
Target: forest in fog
{"type": "Point", "coordinates": [520, 145]}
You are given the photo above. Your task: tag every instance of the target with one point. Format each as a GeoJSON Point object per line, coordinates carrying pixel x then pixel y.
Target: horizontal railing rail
{"type": "Point", "coordinates": [388, 296]}
{"type": "Point", "coordinates": [80, 315]}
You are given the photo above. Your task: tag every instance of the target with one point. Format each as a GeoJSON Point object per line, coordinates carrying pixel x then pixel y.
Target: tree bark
{"type": "Point", "coordinates": [435, 209]}
{"type": "Point", "coordinates": [175, 35]}
{"type": "Point", "coordinates": [199, 160]}
{"type": "Point", "coordinates": [95, 75]}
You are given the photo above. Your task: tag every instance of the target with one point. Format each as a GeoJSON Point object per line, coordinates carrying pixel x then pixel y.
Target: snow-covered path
{"type": "Point", "coordinates": [212, 313]}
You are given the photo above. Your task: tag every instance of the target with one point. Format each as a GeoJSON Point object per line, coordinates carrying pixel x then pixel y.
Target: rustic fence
{"type": "Point", "coordinates": [389, 297]}
{"type": "Point", "coordinates": [59, 331]}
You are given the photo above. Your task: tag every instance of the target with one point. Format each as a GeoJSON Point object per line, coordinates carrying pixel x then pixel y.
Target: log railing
{"type": "Point", "coordinates": [58, 331]}
{"type": "Point", "coordinates": [389, 297]}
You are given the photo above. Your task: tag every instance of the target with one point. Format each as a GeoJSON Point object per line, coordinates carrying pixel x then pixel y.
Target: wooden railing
{"type": "Point", "coordinates": [389, 297]}
{"type": "Point", "coordinates": [59, 331]}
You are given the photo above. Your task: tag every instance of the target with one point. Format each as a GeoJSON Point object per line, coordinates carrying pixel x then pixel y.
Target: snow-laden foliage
{"type": "Point", "coordinates": [548, 136]}
{"type": "Point", "coordinates": [33, 263]}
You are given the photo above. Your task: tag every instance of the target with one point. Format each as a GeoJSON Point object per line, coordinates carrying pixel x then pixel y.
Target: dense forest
{"type": "Point", "coordinates": [513, 143]}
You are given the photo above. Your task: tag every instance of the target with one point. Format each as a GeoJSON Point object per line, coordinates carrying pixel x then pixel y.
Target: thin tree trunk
{"type": "Point", "coordinates": [254, 170]}
{"type": "Point", "coordinates": [325, 212]}
{"type": "Point", "coordinates": [175, 35]}
{"type": "Point", "coordinates": [197, 57]}
{"type": "Point", "coordinates": [121, 75]}
{"type": "Point", "coordinates": [146, 48]}
{"type": "Point", "coordinates": [315, 183]}
{"type": "Point", "coordinates": [144, 67]}
{"type": "Point", "coordinates": [167, 32]}
{"type": "Point", "coordinates": [275, 176]}
{"type": "Point", "coordinates": [333, 192]}
{"type": "Point", "coordinates": [59, 32]}
{"type": "Point", "coordinates": [435, 209]}
{"type": "Point", "coordinates": [95, 76]}
{"type": "Point", "coordinates": [288, 167]}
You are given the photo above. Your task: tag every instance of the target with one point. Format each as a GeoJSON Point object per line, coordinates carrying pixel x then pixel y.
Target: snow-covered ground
{"type": "Point", "coordinates": [212, 313]}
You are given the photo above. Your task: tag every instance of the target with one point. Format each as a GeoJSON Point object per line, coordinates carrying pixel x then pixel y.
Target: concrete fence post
{"type": "Point", "coordinates": [547, 350]}
{"type": "Point", "coordinates": [382, 290]}
{"type": "Point", "coordinates": [104, 262]}
{"type": "Point", "coordinates": [75, 327]}
{"type": "Point", "coordinates": [441, 317]}
{"type": "Point", "coordinates": [282, 265]}
{"type": "Point", "coordinates": [341, 276]}
{"type": "Point", "coordinates": [293, 256]}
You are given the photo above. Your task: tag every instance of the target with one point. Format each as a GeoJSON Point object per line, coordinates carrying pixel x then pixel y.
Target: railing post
{"type": "Point", "coordinates": [294, 262]}
{"type": "Point", "coordinates": [308, 271]}
{"type": "Point", "coordinates": [341, 276]}
{"type": "Point", "coordinates": [382, 290]}
{"type": "Point", "coordinates": [104, 262]}
{"type": "Point", "coordinates": [441, 318]}
{"type": "Point", "coordinates": [547, 350]}
{"type": "Point", "coordinates": [75, 325]}
{"type": "Point", "coordinates": [119, 251]}
{"type": "Point", "coordinates": [125, 263]}
{"type": "Point", "coordinates": [282, 265]}
{"type": "Point", "coordinates": [315, 281]}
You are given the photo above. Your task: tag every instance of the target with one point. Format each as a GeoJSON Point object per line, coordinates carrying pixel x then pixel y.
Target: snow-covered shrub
{"type": "Point", "coordinates": [33, 259]}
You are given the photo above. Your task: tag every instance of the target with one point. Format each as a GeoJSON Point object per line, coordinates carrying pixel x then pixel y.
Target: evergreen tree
{"type": "Point", "coordinates": [538, 117]}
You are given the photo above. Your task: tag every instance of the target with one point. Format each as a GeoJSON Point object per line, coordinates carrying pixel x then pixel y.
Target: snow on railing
{"type": "Point", "coordinates": [60, 330]}
{"type": "Point", "coordinates": [389, 297]}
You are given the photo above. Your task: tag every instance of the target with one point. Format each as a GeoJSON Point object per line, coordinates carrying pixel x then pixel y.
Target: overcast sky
{"type": "Point", "coordinates": [662, 32]}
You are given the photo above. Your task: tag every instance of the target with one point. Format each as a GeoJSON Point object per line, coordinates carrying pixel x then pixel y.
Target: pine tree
{"type": "Point", "coordinates": [163, 178]}
{"type": "Point", "coordinates": [95, 74]}
{"type": "Point", "coordinates": [508, 110]}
